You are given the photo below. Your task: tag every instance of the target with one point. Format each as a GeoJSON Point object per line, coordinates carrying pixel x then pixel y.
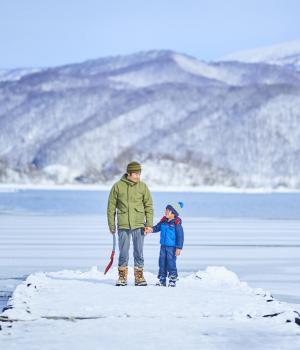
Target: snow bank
{"type": "Point", "coordinates": [209, 309]}
{"type": "Point", "coordinates": [92, 294]}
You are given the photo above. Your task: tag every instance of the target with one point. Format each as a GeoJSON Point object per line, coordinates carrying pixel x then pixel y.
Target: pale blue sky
{"type": "Point", "coordinates": [40, 33]}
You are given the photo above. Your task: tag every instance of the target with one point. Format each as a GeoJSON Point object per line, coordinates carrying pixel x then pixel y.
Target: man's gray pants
{"type": "Point", "coordinates": [124, 245]}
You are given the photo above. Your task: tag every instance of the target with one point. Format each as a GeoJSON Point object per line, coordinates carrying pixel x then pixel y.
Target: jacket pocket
{"type": "Point", "coordinates": [123, 217]}
{"type": "Point", "coordinates": [139, 216]}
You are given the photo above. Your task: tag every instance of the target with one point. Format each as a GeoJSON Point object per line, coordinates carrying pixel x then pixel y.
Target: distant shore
{"type": "Point", "coordinates": [155, 188]}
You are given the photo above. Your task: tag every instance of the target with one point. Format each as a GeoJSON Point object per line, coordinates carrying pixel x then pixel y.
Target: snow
{"type": "Point", "coordinates": [11, 187]}
{"type": "Point", "coordinates": [16, 74]}
{"type": "Point", "coordinates": [210, 71]}
{"type": "Point", "coordinates": [233, 124]}
{"type": "Point", "coordinates": [52, 238]}
{"type": "Point", "coordinates": [212, 302]}
{"type": "Point", "coordinates": [285, 53]}
{"type": "Point", "coordinates": [61, 173]}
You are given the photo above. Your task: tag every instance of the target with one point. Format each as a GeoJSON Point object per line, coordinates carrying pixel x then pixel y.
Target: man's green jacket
{"type": "Point", "coordinates": [133, 204]}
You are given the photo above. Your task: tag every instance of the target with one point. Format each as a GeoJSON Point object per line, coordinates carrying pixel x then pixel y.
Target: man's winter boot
{"type": "Point", "coordinates": [139, 278]}
{"type": "Point", "coordinates": [172, 281]}
{"type": "Point", "coordinates": [123, 272]}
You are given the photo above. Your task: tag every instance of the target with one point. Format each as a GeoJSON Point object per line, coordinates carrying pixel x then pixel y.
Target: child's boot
{"type": "Point", "coordinates": [172, 281]}
{"type": "Point", "coordinates": [161, 282]}
{"type": "Point", "coordinates": [123, 272]}
{"type": "Point", "coordinates": [139, 279]}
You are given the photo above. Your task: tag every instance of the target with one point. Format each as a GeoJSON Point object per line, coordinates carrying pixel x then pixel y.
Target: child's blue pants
{"type": "Point", "coordinates": [167, 262]}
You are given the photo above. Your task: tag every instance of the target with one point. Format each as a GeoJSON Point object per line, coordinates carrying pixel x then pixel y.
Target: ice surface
{"type": "Point", "coordinates": [56, 236]}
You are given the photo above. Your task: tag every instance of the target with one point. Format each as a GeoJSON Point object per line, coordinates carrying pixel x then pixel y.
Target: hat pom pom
{"type": "Point", "coordinates": [181, 204]}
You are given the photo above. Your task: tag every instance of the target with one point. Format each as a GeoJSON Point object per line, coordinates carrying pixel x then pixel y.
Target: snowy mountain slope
{"type": "Point", "coordinates": [254, 145]}
{"type": "Point", "coordinates": [196, 311]}
{"type": "Point", "coordinates": [287, 54]}
{"type": "Point", "coordinates": [238, 73]}
{"type": "Point", "coordinates": [211, 121]}
{"type": "Point", "coordinates": [16, 74]}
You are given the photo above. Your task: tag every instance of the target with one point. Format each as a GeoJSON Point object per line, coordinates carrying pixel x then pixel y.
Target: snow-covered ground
{"type": "Point", "coordinates": [255, 236]}
{"type": "Point", "coordinates": [211, 309]}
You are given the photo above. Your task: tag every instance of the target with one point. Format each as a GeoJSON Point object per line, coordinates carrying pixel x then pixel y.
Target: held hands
{"type": "Point", "coordinates": [147, 230]}
{"type": "Point", "coordinates": [112, 231]}
{"type": "Point", "coordinates": [177, 252]}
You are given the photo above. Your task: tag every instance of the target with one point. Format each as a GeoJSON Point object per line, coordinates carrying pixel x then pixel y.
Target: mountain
{"type": "Point", "coordinates": [189, 122]}
{"type": "Point", "coordinates": [16, 74]}
{"type": "Point", "coordinates": [286, 54]}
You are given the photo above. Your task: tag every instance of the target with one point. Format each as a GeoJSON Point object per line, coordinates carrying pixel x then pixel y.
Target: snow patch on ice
{"type": "Point", "coordinates": [208, 308]}
{"type": "Point", "coordinates": [214, 275]}
{"type": "Point", "coordinates": [215, 292]}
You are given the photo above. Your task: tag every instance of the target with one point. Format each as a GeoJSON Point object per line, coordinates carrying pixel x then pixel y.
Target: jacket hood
{"type": "Point", "coordinates": [125, 179]}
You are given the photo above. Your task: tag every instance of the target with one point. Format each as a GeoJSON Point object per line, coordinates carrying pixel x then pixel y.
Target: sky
{"type": "Point", "coordinates": [43, 33]}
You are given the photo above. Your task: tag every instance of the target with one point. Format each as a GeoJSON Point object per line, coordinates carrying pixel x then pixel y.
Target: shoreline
{"type": "Point", "coordinates": [11, 187]}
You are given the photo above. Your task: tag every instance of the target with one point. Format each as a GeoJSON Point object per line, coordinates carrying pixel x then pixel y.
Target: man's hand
{"type": "Point", "coordinates": [178, 251]}
{"type": "Point", "coordinates": [112, 231]}
{"type": "Point", "coordinates": [147, 230]}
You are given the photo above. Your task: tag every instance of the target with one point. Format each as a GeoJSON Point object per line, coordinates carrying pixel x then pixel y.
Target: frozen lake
{"type": "Point", "coordinates": [254, 235]}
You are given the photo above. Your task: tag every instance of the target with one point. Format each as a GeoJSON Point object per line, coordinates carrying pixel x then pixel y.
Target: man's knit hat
{"type": "Point", "coordinates": [134, 167]}
{"type": "Point", "coordinates": [175, 208]}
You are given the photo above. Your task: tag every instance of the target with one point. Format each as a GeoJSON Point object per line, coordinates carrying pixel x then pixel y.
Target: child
{"type": "Point", "coordinates": [171, 242]}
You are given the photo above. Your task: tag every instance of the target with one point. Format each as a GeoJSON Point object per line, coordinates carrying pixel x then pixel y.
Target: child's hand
{"type": "Point", "coordinates": [178, 251]}
{"type": "Point", "coordinates": [147, 230]}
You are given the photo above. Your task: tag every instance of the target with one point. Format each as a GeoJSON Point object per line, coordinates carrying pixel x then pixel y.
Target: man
{"type": "Point", "coordinates": [132, 201]}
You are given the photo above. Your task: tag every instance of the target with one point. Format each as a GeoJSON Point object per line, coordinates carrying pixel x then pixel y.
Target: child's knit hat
{"type": "Point", "coordinates": [175, 208]}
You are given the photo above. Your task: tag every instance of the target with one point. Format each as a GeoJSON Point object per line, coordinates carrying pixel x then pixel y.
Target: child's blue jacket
{"type": "Point", "coordinates": [171, 232]}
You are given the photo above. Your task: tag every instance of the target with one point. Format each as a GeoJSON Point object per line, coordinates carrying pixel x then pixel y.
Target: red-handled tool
{"type": "Point", "coordinates": [111, 255]}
